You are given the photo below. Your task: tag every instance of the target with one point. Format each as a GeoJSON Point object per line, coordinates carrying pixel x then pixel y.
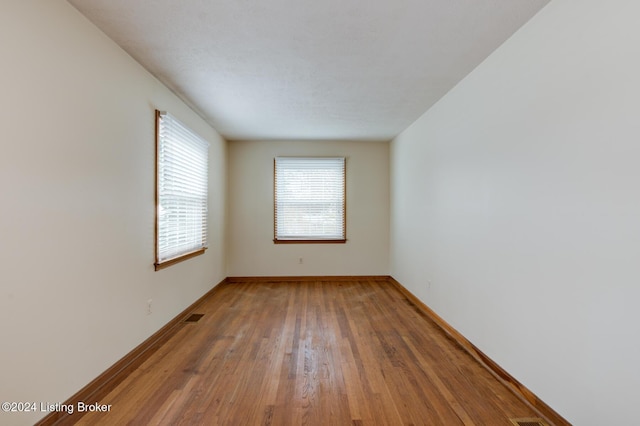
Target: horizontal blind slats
{"type": "Point", "coordinates": [182, 189]}
{"type": "Point", "coordinates": [309, 198]}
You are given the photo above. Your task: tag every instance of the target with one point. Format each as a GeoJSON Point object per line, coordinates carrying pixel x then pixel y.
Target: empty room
{"type": "Point", "coordinates": [326, 213]}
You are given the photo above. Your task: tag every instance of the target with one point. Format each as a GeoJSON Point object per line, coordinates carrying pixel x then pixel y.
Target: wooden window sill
{"type": "Point", "coordinates": [178, 259]}
{"type": "Point", "coordinates": [343, 241]}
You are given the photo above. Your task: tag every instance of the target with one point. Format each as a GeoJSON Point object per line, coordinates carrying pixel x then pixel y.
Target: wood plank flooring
{"type": "Point", "coordinates": [310, 353]}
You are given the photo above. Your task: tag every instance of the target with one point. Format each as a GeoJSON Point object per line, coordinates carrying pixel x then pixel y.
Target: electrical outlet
{"type": "Point", "coordinates": [149, 302]}
{"type": "Point", "coordinates": [300, 260]}
{"type": "Point", "coordinates": [428, 285]}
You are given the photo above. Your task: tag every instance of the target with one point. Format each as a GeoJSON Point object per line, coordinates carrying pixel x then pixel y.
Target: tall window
{"type": "Point", "coordinates": [181, 192]}
{"type": "Point", "coordinates": [309, 200]}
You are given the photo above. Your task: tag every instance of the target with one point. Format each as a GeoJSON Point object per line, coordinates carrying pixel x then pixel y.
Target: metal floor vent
{"type": "Point", "coordinates": [194, 318]}
{"type": "Point", "coordinates": [529, 421]}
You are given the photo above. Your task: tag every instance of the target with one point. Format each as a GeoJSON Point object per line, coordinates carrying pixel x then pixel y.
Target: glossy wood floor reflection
{"type": "Point", "coordinates": [310, 353]}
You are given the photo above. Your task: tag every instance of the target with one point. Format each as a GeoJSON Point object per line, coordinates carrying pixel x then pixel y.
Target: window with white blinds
{"type": "Point", "coordinates": [181, 192]}
{"type": "Point", "coordinates": [309, 199]}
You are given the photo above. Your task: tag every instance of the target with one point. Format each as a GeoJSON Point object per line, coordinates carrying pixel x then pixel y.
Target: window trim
{"type": "Point", "coordinates": [158, 265]}
{"type": "Point", "coordinates": [342, 240]}
{"type": "Point", "coordinates": [308, 241]}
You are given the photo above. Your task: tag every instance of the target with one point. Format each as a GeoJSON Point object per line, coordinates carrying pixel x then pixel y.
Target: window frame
{"type": "Point", "coordinates": [182, 256]}
{"type": "Point", "coordinates": [310, 240]}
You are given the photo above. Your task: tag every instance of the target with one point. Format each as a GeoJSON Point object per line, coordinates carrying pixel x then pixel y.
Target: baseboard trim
{"type": "Point", "coordinates": [114, 375]}
{"type": "Point", "coordinates": [236, 280]}
{"type": "Point", "coordinates": [517, 388]}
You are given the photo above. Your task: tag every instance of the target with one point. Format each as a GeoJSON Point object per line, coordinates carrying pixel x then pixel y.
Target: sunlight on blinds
{"type": "Point", "coordinates": [309, 198]}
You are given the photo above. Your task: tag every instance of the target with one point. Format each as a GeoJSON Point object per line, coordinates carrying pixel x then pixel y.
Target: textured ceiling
{"type": "Point", "coordinates": [303, 69]}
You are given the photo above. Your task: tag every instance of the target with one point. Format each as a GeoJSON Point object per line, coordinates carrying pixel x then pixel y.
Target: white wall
{"type": "Point", "coordinates": [517, 197]}
{"type": "Point", "coordinates": [77, 205]}
{"type": "Point", "coordinates": [251, 248]}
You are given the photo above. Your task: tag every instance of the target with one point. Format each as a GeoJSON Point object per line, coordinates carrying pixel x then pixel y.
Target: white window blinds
{"type": "Point", "coordinates": [181, 190]}
{"type": "Point", "coordinates": [309, 199]}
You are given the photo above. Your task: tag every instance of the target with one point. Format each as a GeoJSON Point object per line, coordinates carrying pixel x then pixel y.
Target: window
{"type": "Point", "coordinates": [181, 192]}
{"type": "Point", "coordinates": [309, 200]}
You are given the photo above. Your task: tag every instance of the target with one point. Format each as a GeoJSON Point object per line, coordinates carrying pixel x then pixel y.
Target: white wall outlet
{"type": "Point", "coordinates": [149, 302]}
{"type": "Point", "coordinates": [300, 260]}
{"type": "Point", "coordinates": [428, 285]}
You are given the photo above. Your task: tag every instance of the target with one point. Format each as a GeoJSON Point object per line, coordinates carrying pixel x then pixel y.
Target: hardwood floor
{"type": "Point", "coordinates": [310, 353]}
